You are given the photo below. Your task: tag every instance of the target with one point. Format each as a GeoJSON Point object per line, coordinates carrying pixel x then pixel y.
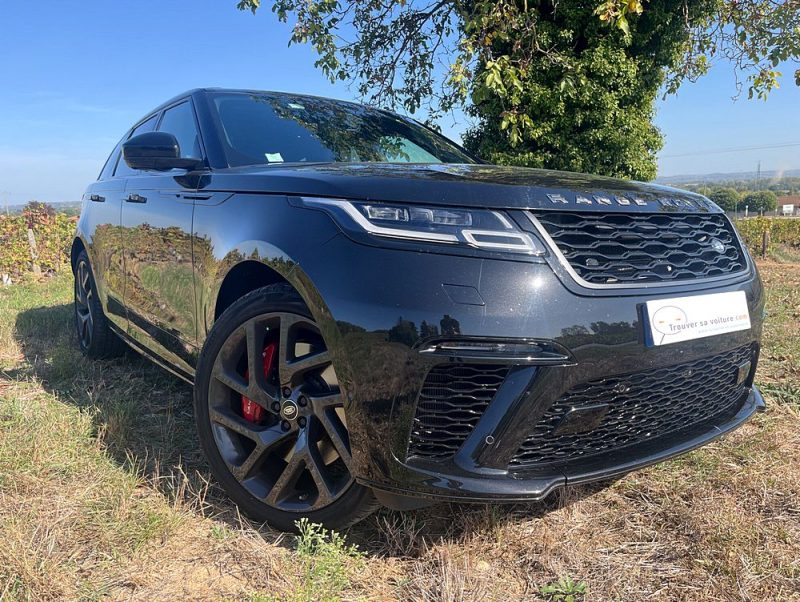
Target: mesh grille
{"type": "Point", "coordinates": [642, 407]}
{"type": "Point", "coordinates": [451, 401]}
{"type": "Point", "coordinates": [617, 248]}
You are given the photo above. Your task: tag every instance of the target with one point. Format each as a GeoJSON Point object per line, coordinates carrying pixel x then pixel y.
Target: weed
{"type": "Point", "coordinates": [564, 590]}
{"type": "Point", "coordinates": [325, 558]}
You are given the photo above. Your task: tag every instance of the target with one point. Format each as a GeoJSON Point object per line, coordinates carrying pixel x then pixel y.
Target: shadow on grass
{"type": "Point", "coordinates": [143, 415]}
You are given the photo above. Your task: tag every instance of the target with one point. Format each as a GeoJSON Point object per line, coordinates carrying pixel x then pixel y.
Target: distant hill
{"type": "Point", "coordinates": [718, 178]}
{"type": "Point", "coordinates": [782, 183]}
{"type": "Point", "coordinates": [68, 207]}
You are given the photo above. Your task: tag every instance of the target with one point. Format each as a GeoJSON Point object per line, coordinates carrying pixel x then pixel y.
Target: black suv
{"type": "Point", "coordinates": [369, 315]}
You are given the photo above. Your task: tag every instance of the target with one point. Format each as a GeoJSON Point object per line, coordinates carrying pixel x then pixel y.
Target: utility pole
{"type": "Point", "coordinates": [758, 176]}
{"type": "Point", "coordinates": [758, 182]}
{"type": "Point", "coordinates": [5, 195]}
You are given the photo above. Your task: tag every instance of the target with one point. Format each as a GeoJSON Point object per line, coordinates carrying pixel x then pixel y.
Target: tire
{"type": "Point", "coordinates": [95, 337]}
{"type": "Point", "coordinates": [290, 460]}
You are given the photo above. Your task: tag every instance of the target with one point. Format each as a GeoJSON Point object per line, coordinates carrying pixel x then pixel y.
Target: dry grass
{"type": "Point", "coordinates": [104, 495]}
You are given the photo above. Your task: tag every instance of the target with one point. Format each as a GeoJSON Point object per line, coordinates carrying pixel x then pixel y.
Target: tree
{"type": "Point", "coordinates": [726, 198]}
{"type": "Point", "coordinates": [564, 84]}
{"type": "Point", "coordinates": [403, 332]}
{"type": "Point", "coordinates": [764, 200]}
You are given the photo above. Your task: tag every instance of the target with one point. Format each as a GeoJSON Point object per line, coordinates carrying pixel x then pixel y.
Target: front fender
{"type": "Point", "coordinates": [261, 228]}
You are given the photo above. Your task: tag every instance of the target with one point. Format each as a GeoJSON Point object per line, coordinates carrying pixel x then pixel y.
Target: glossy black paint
{"type": "Point", "coordinates": [163, 243]}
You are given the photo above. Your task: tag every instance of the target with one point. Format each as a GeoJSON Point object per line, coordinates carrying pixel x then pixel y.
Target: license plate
{"type": "Point", "coordinates": [688, 318]}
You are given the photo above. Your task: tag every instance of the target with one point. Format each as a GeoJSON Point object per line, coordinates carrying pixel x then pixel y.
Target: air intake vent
{"type": "Point", "coordinates": [640, 407]}
{"type": "Point", "coordinates": [616, 248]}
{"type": "Point", "coordinates": [450, 403]}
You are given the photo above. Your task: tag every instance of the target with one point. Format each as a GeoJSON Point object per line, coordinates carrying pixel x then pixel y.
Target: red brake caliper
{"type": "Point", "coordinates": [250, 409]}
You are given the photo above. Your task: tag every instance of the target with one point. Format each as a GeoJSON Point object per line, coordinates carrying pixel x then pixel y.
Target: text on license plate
{"type": "Point", "coordinates": [688, 318]}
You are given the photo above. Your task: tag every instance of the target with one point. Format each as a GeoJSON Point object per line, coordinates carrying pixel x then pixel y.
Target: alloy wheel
{"type": "Point", "coordinates": [277, 413]}
{"type": "Point", "coordinates": [83, 304]}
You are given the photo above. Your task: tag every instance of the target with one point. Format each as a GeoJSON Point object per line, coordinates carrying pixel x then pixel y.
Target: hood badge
{"type": "Point", "coordinates": [608, 200]}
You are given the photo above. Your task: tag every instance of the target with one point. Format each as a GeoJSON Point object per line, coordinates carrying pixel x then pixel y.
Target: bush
{"type": "Point", "coordinates": [782, 231]}
{"type": "Point", "coordinates": [726, 198]}
{"type": "Point", "coordinates": [53, 232]}
{"type": "Point", "coordinates": [764, 200]}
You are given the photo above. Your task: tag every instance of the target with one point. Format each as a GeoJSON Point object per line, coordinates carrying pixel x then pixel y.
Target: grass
{"type": "Point", "coordinates": [103, 494]}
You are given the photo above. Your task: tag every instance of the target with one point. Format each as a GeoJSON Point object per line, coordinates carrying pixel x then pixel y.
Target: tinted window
{"type": "Point", "coordinates": [111, 162]}
{"type": "Point", "coordinates": [143, 128]}
{"type": "Point", "coordinates": [272, 128]}
{"type": "Point", "coordinates": [179, 121]}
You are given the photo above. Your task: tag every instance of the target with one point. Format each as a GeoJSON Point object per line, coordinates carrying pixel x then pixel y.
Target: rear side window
{"type": "Point", "coordinates": [143, 128]}
{"type": "Point", "coordinates": [111, 162]}
{"type": "Point", "coordinates": [180, 122]}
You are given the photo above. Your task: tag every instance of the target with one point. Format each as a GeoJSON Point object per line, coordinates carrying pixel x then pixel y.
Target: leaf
{"type": "Point", "coordinates": [622, 23]}
{"type": "Point", "coordinates": [251, 5]}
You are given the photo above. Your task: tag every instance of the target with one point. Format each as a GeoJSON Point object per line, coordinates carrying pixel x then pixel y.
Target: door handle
{"type": "Point", "coordinates": [96, 198]}
{"type": "Point", "coordinates": [136, 198]}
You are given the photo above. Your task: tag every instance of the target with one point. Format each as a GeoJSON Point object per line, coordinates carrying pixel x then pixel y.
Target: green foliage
{"type": "Point", "coordinates": [564, 590]}
{"type": "Point", "coordinates": [588, 110]}
{"type": "Point", "coordinates": [727, 198]}
{"type": "Point", "coordinates": [566, 84]}
{"type": "Point", "coordinates": [782, 232]}
{"type": "Point", "coordinates": [53, 233]}
{"type": "Point", "coordinates": [325, 558]}
{"type": "Point", "coordinates": [764, 200]}
{"type": "Point", "coordinates": [755, 36]}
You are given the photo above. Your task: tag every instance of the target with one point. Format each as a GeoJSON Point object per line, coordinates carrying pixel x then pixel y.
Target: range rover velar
{"type": "Point", "coordinates": [369, 315]}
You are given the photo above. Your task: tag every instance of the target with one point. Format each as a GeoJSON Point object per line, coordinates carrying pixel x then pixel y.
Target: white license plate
{"type": "Point", "coordinates": [688, 318]}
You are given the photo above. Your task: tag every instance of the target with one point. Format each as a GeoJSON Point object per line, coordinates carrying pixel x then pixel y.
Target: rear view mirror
{"type": "Point", "coordinates": [156, 150]}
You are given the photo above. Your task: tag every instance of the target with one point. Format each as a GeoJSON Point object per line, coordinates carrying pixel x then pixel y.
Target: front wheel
{"type": "Point", "coordinates": [270, 415]}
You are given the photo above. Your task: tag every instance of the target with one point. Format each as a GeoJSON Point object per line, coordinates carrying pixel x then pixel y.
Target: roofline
{"type": "Point", "coordinates": [197, 93]}
{"type": "Point", "coordinates": [202, 91]}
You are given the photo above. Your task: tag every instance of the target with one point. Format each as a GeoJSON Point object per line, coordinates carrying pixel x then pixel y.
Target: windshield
{"type": "Point", "coordinates": [265, 128]}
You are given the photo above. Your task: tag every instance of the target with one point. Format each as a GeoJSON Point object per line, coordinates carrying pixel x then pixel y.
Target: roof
{"type": "Point", "coordinates": [195, 91]}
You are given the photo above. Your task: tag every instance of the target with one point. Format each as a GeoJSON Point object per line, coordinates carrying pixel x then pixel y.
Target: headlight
{"type": "Point", "coordinates": [477, 228]}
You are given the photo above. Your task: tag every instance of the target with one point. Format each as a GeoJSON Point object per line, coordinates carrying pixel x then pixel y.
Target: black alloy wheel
{"type": "Point", "coordinates": [84, 321]}
{"type": "Point", "coordinates": [95, 337]}
{"type": "Point", "coordinates": [271, 415]}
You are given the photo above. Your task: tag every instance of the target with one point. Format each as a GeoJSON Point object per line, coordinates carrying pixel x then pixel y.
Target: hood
{"type": "Point", "coordinates": [485, 186]}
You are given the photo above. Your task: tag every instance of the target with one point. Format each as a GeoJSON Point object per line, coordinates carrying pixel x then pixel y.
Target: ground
{"type": "Point", "coordinates": [103, 494]}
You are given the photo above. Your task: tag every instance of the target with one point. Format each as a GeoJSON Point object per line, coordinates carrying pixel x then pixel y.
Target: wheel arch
{"type": "Point", "coordinates": [77, 246]}
{"type": "Point", "coordinates": [240, 279]}
{"type": "Point", "coordinates": [255, 264]}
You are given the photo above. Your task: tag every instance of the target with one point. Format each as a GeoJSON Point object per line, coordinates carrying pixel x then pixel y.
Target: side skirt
{"type": "Point", "coordinates": [151, 356]}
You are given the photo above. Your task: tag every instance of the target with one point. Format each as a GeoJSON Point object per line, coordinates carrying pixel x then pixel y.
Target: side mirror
{"type": "Point", "coordinates": [156, 150]}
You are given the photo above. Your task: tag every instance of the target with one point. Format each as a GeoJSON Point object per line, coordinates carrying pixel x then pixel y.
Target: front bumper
{"type": "Point", "coordinates": [387, 306]}
{"type": "Point", "coordinates": [452, 484]}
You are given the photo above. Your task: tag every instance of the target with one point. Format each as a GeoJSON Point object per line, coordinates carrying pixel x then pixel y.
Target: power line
{"type": "Point", "coordinates": [732, 150]}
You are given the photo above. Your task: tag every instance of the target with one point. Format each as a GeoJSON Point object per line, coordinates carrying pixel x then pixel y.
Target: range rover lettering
{"type": "Point", "coordinates": [369, 315]}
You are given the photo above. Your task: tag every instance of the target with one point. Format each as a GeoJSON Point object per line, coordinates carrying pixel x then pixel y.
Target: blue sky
{"type": "Point", "coordinates": [77, 73]}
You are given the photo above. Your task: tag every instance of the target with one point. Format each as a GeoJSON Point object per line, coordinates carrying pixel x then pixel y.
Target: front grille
{"type": "Point", "coordinates": [641, 407]}
{"type": "Point", "coordinates": [451, 401]}
{"type": "Point", "coordinates": [616, 248]}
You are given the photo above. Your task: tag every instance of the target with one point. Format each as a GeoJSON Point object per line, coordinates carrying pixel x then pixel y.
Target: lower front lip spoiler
{"type": "Point", "coordinates": [513, 488]}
